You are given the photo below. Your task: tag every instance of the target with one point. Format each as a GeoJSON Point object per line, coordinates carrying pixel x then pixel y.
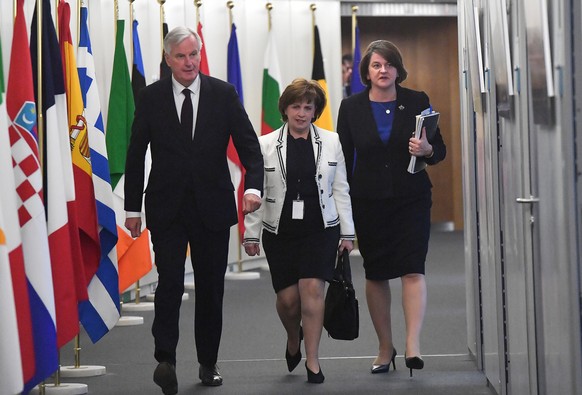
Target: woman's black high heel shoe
{"type": "Point", "coordinates": [293, 360]}
{"type": "Point", "coordinates": [384, 368]}
{"type": "Point", "coordinates": [414, 363]}
{"type": "Point", "coordinates": [315, 378]}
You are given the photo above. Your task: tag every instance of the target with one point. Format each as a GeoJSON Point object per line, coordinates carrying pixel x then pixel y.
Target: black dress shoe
{"type": "Point", "coordinates": [384, 368]}
{"type": "Point", "coordinates": [315, 378]}
{"type": "Point", "coordinates": [293, 360]}
{"type": "Point", "coordinates": [165, 377]}
{"type": "Point", "coordinates": [210, 375]}
{"type": "Point", "coordinates": [413, 363]}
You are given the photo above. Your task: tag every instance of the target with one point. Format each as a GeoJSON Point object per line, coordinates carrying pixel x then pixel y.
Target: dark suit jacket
{"type": "Point", "coordinates": [377, 170]}
{"type": "Point", "coordinates": [180, 164]}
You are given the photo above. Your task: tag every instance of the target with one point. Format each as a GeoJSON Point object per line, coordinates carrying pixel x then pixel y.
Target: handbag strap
{"type": "Point", "coordinates": [343, 271]}
{"type": "Point", "coordinates": [347, 270]}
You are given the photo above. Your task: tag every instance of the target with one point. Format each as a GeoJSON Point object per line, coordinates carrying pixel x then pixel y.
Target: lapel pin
{"type": "Point", "coordinates": [401, 107]}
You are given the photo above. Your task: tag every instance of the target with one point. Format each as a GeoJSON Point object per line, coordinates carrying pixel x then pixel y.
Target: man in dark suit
{"type": "Point", "coordinates": [187, 121]}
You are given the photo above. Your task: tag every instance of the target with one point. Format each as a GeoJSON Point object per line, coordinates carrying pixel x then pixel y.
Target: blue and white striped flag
{"type": "Point", "coordinates": [101, 312]}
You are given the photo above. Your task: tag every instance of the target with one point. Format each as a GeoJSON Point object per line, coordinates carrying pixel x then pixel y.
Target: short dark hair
{"type": "Point", "coordinates": [301, 89]}
{"type": "Point", "coordinates": [388, 51]}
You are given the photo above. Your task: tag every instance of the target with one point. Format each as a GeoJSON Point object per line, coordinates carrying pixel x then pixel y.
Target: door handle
{"type": "Point", "coordinates": [531, 199]}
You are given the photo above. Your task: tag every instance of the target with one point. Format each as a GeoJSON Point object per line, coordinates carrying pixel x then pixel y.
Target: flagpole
{"type": "Point", "coordinates": [79, 5]}
{"type": "Point", "coordinates": [313, 7]}
{"type": "Point", "coordinates": [115, 15]}
{"type": "Point", "coordinates": [230, 5]}
{"type": "Point", "coordinates": [39, 102]}
{"type": "Point", "coordinates": [269, 7]}
{"type": "Point", "coordinates": [354, 24]}
{"type": "Point", "coordinates": [131, 31]}
{"type": "Point", "coordinates": [162, 17]}
{"type": "Point", "coordinates": [197, 4]}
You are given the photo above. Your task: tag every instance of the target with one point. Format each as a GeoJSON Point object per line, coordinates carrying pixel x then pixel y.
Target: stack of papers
{"type": "Point", "coordinates": [429, 120]}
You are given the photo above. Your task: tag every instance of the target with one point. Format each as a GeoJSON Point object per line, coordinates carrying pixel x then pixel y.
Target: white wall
{"type": "Point", "coordinates": [291, 26]}
{"type": "Point", "coordinates": [292, 29]}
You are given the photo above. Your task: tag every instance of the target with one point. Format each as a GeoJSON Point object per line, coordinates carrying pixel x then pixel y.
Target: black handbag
{"type": "Point", "coordinates": [342, 317]}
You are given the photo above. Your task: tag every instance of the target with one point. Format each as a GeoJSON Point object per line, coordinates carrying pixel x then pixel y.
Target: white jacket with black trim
{"type": "Point", "coordinates": [330, 176]}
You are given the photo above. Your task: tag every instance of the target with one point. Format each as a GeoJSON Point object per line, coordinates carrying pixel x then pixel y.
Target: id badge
{"type": "Point", "coordinates": [298, 208]}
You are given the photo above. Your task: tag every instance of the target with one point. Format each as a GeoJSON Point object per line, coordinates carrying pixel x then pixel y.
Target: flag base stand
{"type": "Point", "coordinates": [63, 388]}
{"type": "Point", "coordinates": [129, 321]}
{"type": "Point", "coordinates": [242, 276]}
{"type": "Point", "coordinates": [150, 297]}
{"type": "Point", "coordinates": [82, 371]}
{"type": "Point", "coordinates": [236, 271]}
{"type": "Point", "coordinates": [141, 306]}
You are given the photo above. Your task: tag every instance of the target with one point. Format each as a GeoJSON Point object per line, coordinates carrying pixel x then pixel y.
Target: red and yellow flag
{"type": "Point", "coordinates": [84, 191]}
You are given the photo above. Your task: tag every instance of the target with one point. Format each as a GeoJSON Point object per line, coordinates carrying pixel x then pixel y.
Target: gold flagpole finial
{"type": "Point", "coordinates": [269, 7]}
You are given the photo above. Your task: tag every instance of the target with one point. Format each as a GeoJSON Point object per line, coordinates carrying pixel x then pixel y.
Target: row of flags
{"type": "Point", "coordinates": [64, 255]}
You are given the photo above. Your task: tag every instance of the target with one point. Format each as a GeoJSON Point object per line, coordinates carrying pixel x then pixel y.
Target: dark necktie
{"type": "Point", "coordinates": [187, 115]}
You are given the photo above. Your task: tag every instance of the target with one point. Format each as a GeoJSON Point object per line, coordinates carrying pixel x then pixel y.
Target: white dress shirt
{"type": "Point", "coordinates": [179, 97]}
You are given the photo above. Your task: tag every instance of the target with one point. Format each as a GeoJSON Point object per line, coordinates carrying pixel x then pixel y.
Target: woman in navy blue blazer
{"type": "Point", "coordinates": [391, 206]}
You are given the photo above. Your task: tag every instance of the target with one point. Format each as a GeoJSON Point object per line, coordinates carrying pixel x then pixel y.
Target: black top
{"type": "Point", "coordinates": [301, 185]}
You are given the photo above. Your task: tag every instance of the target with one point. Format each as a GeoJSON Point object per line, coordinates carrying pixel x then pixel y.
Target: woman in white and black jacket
{"type": "Point", "coordinates": [305, 212]}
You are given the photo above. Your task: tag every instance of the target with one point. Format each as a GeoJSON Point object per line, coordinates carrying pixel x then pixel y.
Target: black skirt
{"type": "Point", "coordinates": [393, 235]}
{"type": "Point", "coordinates": [292, 256]}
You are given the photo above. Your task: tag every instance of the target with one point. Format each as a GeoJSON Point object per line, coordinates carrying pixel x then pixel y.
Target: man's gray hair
{"type": "Point", "coordinates": [177, 35]}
